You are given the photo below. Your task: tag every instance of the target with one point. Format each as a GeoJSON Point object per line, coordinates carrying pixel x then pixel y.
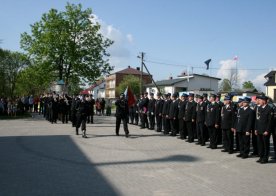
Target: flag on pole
{"type": "Point", "coordinates": [236, 58]}
{"type": "Point", "coordinates": [207, 62]}
{"type": "Point", "coordinates": [129, 97]}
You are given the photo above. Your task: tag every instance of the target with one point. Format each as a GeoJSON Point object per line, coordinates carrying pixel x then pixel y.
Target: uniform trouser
{"type": "Point", "coordinates": [237, 142]}
{"type": "Point", "coordinates": [213, 133]}
{"type": "Point", "coordinates": [144, 120]}
{"type": "Point", "coordinates": [182, 128]}
{"type": "Point", "coordinates": [81, 122]}
{"type": "Point", "coordinates": [255, 144]}
{"type": "Point", "coordinates": [152, 121]}
{"type": "Point", "coordinates": [174, 127]}
{"type": "Point", "coordinates": [64, 117]}
{"type": "Point", "coordinates": [164, 124]}
{"type": "Point", "coordinates": [168, 125]}
{"type": "Point", "coordinates": [159, 122]}
{"type": "Point", "coordinates": [73, 118]}
{"type": "Point", "coordinates": [131, 116]}
{"type": "Point", "coordinates": [201, 135]}
{"type": "Point", "coordinates": [190, 130]}
{"type": "Point", "coordinates": [274, 142]}
{"type": "Point", "coordinates": [220, 136]}
{"type": "Point", "coordinates": [244, 143]}
{"type": "Point", "coordinates": [228, 139]}
{"type": "Point", "coordinates": [118, 123]}
{"type": "Point", "coordinates": [263, 145]}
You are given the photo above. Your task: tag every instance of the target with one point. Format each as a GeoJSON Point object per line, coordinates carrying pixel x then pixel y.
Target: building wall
{"type": "Point", "coordinates": [270, 91]}
{"type": "Point", "coordinates": [202, 82]}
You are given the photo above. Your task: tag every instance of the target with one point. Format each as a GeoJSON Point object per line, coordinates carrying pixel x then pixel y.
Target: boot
{"type": "Point", "coordinates": [77, 131]}
{"type": "Point", "coordinates": [84, 134]}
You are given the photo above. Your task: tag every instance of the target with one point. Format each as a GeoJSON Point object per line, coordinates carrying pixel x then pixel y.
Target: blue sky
{"type": "Point", "coordinates": [176, 33]}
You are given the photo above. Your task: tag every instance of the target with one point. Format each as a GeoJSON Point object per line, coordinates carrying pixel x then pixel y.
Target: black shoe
{"type": "Point", "coordinates": [259, 160]}
{"type": "Point", "coordinates": [245, 156]}
{"type": "Point", "coordinates": [117, 134]}
{"type": "Point", "coordinates": [264, 161]}
{"type": "Point", "coordinates": [127, 134]}
{"type": "Point", "coordinates": [203, 144]}
{"type": "Point", "coordinates": [230, 152]}
{"type": "Point", "coordinates": [239, 155]}
{"type": "Point", "coordinates": [208, 147]}
{"type": "Point", "coordinates": [253, 154]}
{"type": "Point", "coordinates": [84, 136]}
{"type": "Point", "coordinates": [224, 150]}
{"type": "Point", "coordinates": [198, 143]}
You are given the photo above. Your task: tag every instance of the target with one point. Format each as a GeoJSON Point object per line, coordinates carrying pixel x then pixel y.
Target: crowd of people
{"type": "Point", "coordinates": [236, 126]}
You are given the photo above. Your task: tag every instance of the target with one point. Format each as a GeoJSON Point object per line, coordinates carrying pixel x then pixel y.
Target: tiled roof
{"type": "Point", "coordinates": [169, 82]}
{"type": "Point", "coordinates": [270, 74]}
{"type": "Point", "coordinates": [131, 71]}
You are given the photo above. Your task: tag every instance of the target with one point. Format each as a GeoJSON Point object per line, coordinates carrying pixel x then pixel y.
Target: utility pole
{"type": "Point", "coordinates": [141, 75]}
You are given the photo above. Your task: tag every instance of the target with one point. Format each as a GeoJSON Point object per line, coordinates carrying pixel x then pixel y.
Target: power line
{"type": "Point", "coordinates": [214, 68]}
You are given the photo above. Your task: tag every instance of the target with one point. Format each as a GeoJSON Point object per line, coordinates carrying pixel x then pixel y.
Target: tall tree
{"type": "Point", "coordinates": [129, 81]}
{"type": "Point", "coordinates": [225, 85]}
{"type": "Point", "coordinates": [68, 44]}
{"type": "Point", "coordinates": [248, 85]}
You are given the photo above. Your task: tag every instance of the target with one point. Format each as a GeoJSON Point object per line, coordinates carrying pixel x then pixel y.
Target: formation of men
{"type": "Point", "coordinates": [196, 118]}
{"type": "Point", "coordinates": [78, 109]}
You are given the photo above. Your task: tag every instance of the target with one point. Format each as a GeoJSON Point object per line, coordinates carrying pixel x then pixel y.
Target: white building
{"type": "Point", "coordinates": [195, 83]}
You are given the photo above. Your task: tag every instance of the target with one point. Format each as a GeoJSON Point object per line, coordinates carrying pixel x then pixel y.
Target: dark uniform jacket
{"type": "Point", "coordinates": [121, 108]}
{"type": "Point", "coordinates": [82, 108]}
{"type": "Point", "coordinates": [151, 106]}
{"type": "Point", "coordinates": [227, 117]}
{"type": "Point", "coordinates": [167, 108]}
{"type": "Point", "coordinates": [159, 106]}
{"type": "Point", "coordinates": [200, 112]}
{"type": "Point", "coordinates": [212, 114]}
{"type": "Point", "coordinates": [173, 113]}
{"type": "Point", "coordinates": [190, 111]}
{"type": "Point", "coordinates": [264, 118]}
{"type": "Point", "coordinates": [181, 108]}
{"type": "Point", "coordinates": [245, 119]}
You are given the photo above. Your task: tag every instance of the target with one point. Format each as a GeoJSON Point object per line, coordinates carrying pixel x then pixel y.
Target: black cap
{"type": "Point", "coordinates": [184, 95]}
{"type": "Point", "coordinates": [240, 100]}
{"type": "Point", "coordinates": [151, 94]}
{"type": "Point", "coordinates": [247, 99]}
{"type": "Point", "coordinates": [204, 95]}
{"type": "Point", "coordinates": [213, 95]}
{"type": "Point", "coordinates": [191, 94]}
{"type": "Point", "coordinates": [263, 97]}
{"type": "Point", "coordinates": [199, 97]}
{"type": "Point", "coordinates": [169, 94]}
{"type": "Point", "coordinates": [227, 98]}
{"type": "Point", "coordinates": [175, 95]}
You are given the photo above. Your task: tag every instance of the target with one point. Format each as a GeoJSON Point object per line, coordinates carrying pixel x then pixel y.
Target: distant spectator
{"type": "Point", "coordinates": [31, 103]}
{"type": "Point", "coordinates": [98, 107]}
{"type": "Point", "coordinates": [36, 101]}
{"type": "Point", "coordinates": [102, 105]}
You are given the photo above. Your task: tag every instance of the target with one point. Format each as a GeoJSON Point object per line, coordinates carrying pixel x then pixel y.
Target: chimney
{"type": "Point", "coordinates": [129, 66]}
{"type": "Point", "coordinates": [170, 78]}
{"type": "Point", "coordinates": [138, 68]}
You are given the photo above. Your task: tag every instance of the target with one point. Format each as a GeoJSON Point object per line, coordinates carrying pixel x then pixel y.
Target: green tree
{"type": "Point", "coordinates": [248, 85]}
{"type": "Point", "coordinates": [129, 81]}
{"type": "Point", "coordinates": [68, 44]}
{"type": "Point", "coordinates": [225, 85]}
{"type": "Point", "coordinates": [10, 65]}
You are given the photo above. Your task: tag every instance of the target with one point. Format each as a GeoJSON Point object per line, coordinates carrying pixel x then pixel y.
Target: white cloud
{"type": "Point", "coordinates": [228, 69]}
{"type": "Point", "coordinates": [120, 50]}
{"type": "Point", "coordinates": [259, 81]}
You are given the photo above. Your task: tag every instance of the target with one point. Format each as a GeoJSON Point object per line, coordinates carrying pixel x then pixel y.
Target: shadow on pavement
{"type": "Point", "coordinates": [48, 165]}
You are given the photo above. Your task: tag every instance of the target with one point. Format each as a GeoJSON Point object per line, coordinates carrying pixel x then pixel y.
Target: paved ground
{"type": "Point", "coordinates": [38, 158]}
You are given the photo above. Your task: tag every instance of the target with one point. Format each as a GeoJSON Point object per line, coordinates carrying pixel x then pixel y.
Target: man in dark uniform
{"type": "Point", "coordinates": [121, 114]}
{"type": "Point", "coordinates": [151, 112]}
{"type": "Point", "coordinates": [200, 119]}
{"type": "Point", "coordinates": [227, 125]}
{"type": "Point", "coordinates": [254, 137]}
{"type": "Point", "coordinates": [244, 127]}
{"type": "Point", "coordinates": [212, 121]}
{"type": "Point", "coordinates": [91, 103]}
{"type": "Point", "coordinates": [144, 110]}
{"type": "Point", "coordinates": [167, 128]}
{"type": "Point", "coordinates": [164, 110]}
{"type": "Point", "coordinates": [237, 113]}
{"type": "Point", "coordinates": [158, 112]}
{"type": "Point", "coordinates": [74, 111]}
{"type": "Point", "coordinates": [206, 102]}
{"type": "Point", "coordinates": [219, 131]}
{"type": "Point", "coordinates": [173, 115]}
{"type": "Point", "coordinates": [263, 128]}
{"type": "Point", "coordinates": [181, 112]}
{"type": "Point", "coordinates": [82, 108]}
{"type": "Point", "coordinates": [189, 117]}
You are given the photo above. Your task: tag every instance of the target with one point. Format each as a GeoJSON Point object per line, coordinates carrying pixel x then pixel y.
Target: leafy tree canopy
{"type": "Point", "coordinates": [129, 81]}
{"type": "Point", "coordinates": [248, 85]}
{"type": "Point", "coordinates": [68, 45]}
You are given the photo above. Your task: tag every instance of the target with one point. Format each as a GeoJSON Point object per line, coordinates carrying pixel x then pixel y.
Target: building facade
{"type": "Point", "coordinates": [113, 80]}
{"type": "Point", "coordinates": [271, 85]}
{"type": "Point", "coordinates": [195, 83]}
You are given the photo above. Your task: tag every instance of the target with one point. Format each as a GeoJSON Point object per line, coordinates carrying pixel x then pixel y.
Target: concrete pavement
{"type": "Point", "coordinates": [39, 158]}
